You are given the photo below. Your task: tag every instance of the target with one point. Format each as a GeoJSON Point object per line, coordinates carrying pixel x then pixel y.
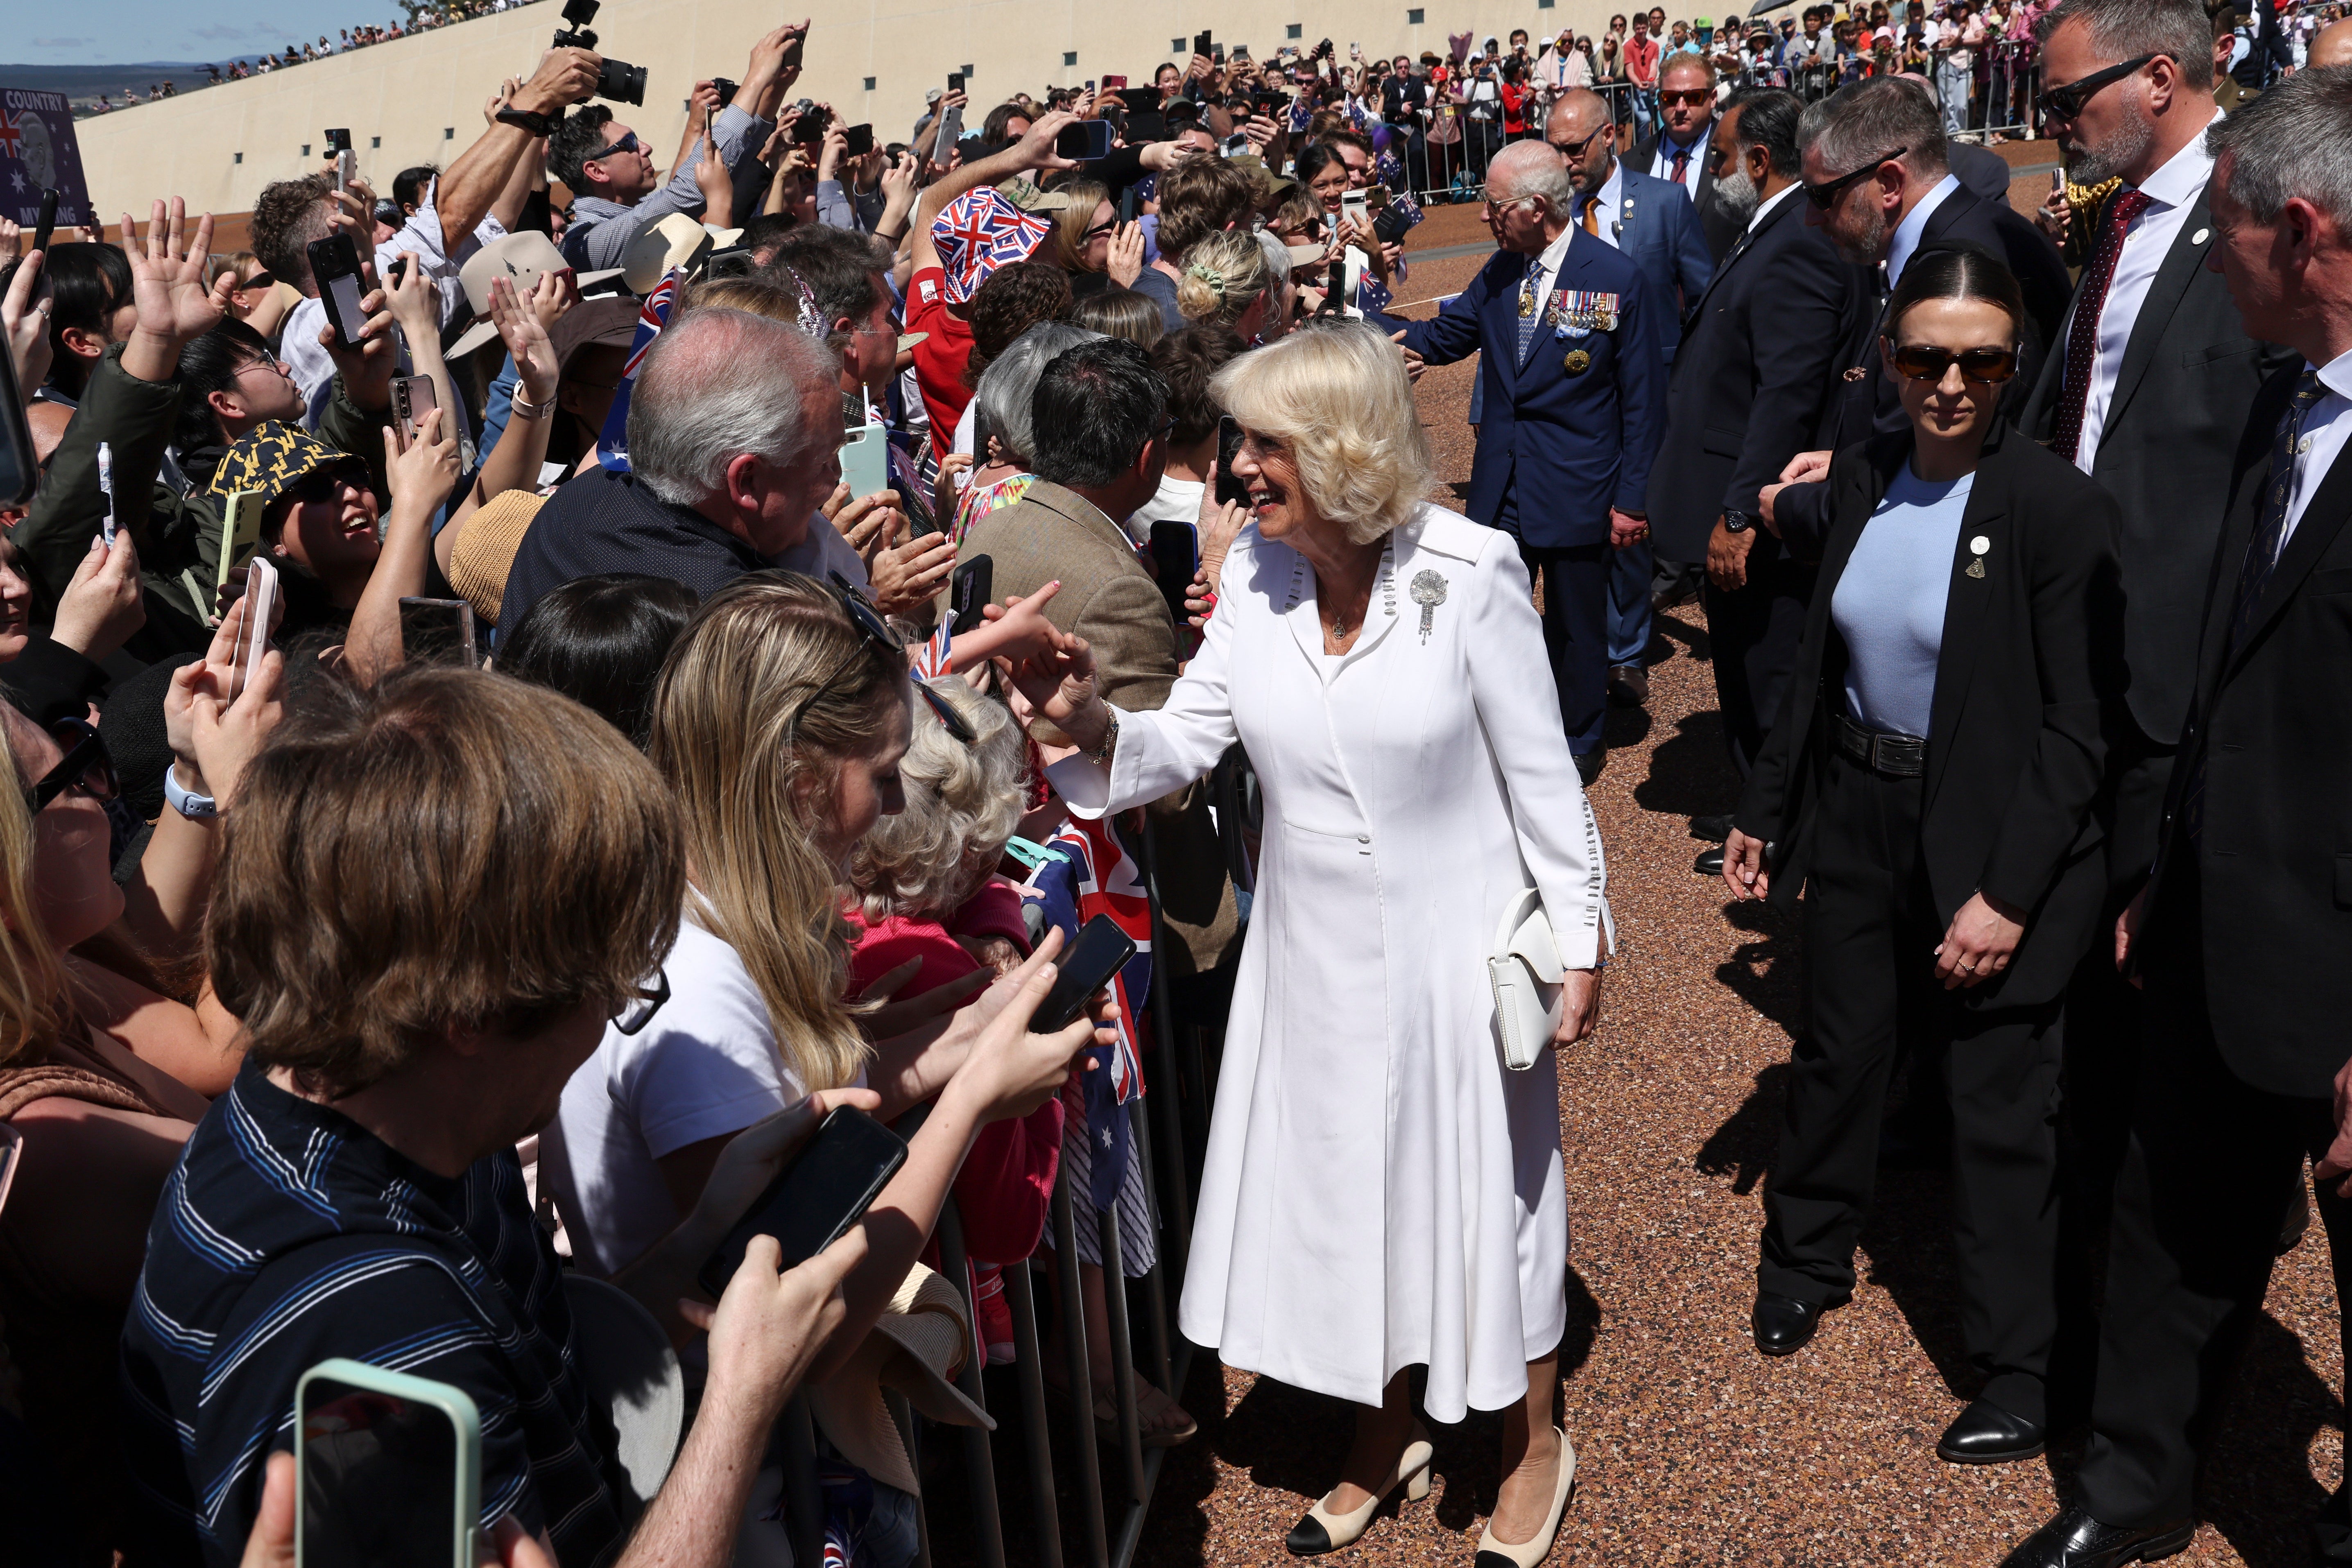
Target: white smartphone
{"type": "Point", "coordinates": [106, 492]}
{"type": "Point", "coordinates": [346, 165]}
{"type": "Point", "coordinates": [865, 460]}
{"type": "Point", "coordinates": [388, 1469]}
{"type": "Point", "coordinates": [253, 637]}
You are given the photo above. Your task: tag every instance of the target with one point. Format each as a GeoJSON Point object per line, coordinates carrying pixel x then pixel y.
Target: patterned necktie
{"type": "Point", "coordinates": [2262, 549]}
{"type": "Point", "coordinates": [2083, 337]}
{"type": "Point", "coordinates": [1682, 165]}
{"type": "Point", "coordinates": [1531, 294]}
{"type": "Point", "coordinates": [1592, 219]}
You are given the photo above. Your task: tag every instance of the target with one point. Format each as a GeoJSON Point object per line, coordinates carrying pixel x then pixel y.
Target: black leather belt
{"type": "Point", "coordinates": [1890, 756]}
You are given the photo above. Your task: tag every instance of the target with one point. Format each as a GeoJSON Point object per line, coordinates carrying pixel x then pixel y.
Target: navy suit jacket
{"type": "Point", "coordinates": [1565, 446]}
{"type": "Point", "coordinates": [1658, 229]}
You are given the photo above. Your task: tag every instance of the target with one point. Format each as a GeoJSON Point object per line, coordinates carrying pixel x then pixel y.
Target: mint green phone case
{"type": "Point", "coordinates": [450, 1400]}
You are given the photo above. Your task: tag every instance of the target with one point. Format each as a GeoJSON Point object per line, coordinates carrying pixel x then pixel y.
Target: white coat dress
{"type": "Point", "coordinates": [1380, 1191]}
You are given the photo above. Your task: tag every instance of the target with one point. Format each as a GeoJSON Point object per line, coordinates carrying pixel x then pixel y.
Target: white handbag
{"type": "Point", "coordinates": [1527, 973]}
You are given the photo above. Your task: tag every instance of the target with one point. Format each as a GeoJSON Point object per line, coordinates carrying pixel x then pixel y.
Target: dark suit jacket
{"type": "Point", "coordinates": [2027, 676]}
{"type": "Point", "coordinates": [1985, 172]}
{"type": "Point", "coordinates": [1654, 225]}
{"type": "Point", "coordinates": [2271, 717]}
{"type": "Point", "coordinates": [1721, 225]}
{"type": "Point", "coordinates": [2166, 452]}
{"type": "Point", "coordinates": [1575, 443]}
{"type": "Point", "coordinates": [1752, 385]}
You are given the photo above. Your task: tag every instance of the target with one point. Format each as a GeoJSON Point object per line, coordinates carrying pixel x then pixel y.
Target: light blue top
{"type": "Point", "coordinates": [1889, 604]}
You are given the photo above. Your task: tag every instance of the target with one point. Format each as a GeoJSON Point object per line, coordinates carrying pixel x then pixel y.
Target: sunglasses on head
{"type": "Point", "coordinates": [2067, 102]}
{"type": "Point", "coordinates": [85, 766]}
{"type": "Point", "coordinates": [949, 717]}
{"type": "Point", "coordinates": [1920, 361]}
{"type": "Point", "coordinates": [873, 632]}
{"type": "Point", "coordinates": [1824, 196]}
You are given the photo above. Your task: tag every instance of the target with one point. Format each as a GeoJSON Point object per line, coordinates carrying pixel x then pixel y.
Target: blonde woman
{"type": "Point", "coordinates": [1226, 279]}
{"type": "Point", "coordinates": [1379, 1190]}
{"type": "Point", "coordinates": [1089, 239]}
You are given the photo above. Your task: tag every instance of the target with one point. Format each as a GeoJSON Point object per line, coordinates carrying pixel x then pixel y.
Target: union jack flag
{"type": "Point", "coordinates": [612, 441]}
{"type": "Point", "coordinates": [1092, 874]}
{"type": "Point", "coordinates": [931, 661]}
{"type": "Point", "coordinates": [12, 134]}
{"type": "Point", "coordinates": [979, 232]}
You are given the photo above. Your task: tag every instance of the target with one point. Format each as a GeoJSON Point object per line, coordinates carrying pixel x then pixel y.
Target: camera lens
{"type": "Point", "coordinates": [622, 82]}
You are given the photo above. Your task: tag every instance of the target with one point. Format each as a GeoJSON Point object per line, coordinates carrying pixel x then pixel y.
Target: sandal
{"type": "Point", "coordinates": [1106, 1414]}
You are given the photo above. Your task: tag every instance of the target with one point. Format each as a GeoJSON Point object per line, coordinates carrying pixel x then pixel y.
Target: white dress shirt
{"type": "Point", "coordinates": [1764, 209]}
{"type": "Point", "coordinates": [2170, 192]}
{"type": "Point", "coordinates": [2325, 429]}
{"type": "Point", "coordinates": [1695, 171]}
{"type": "Point", "coordinates": [1546, 271]}
{"type": "Point", "coordinates": [1610, 202]}
{"type": "Point", "coordinates": [1906, 239]}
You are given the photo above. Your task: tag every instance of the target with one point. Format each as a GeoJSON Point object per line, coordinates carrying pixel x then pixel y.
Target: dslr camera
{"type": "Point", "coordinates": [618, 80]}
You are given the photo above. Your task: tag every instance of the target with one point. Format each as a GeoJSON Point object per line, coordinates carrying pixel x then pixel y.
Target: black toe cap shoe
{"type": "Point", "coordinates": [1984, 1433]}
{"type": "Point", "coordinates": [2076, 1540]}
{"type": "Point", "coordinates": [1307, 1538]}
{"type": "Point", "coordinates": [1709, 862]}
{"type": "Point", "coordinates": [1783, 1324]}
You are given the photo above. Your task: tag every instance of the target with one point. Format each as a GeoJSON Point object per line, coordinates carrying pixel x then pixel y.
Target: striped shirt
{"type": "Point", "coordinates": [287, 1234]}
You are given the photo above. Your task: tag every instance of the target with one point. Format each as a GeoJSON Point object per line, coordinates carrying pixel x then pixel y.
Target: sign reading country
{"type": "Point", "coordinates": [38, 149]}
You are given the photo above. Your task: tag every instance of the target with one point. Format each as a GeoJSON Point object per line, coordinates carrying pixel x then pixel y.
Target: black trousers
{"type": "Point", "coordinates": [2196, 1229]}
{"type": "Point", "coordinates": [1753, 633]}
{"type": "Point", "coordinates": [1871, 932]}
{"type": "Point", "coordinates": [1576, 635]}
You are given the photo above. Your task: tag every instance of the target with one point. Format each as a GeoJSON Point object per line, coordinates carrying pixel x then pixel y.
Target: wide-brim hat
{"type": "Point", "coordinates": [979, 232]}
{"type": "Point", "coordinates": [916, 1347]}
{"type": "Point", "coordinates": [1023, 192]}
{"type": "Point", "coordinates": [521, 258]}
{"type": "Point", "coordinates": [669, 242]}
{"type": "Point", "coordinates": [487, 547]}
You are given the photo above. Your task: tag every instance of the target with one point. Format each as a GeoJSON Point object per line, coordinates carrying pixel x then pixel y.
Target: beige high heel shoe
{"type": "Point", "coordinates": [1323, 1530]}
{"type": "Point", "coordinates": [1494, 1554]}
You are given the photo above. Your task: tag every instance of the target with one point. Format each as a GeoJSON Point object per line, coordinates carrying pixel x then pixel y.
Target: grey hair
{"type": "Point", "coordinates": [962, 804]}
{"type": "Point", "coordinates": [1530, 174]}
{"type": "Point", "coordinates": [1856, 124]}
{"type": "Point", "coordinates": [2123, 30]}
{"type": "Point", "coordinates": [2304, 154]}
{"type": "Point", "coordinates": [1010, 383]}
{"type": "Point", "coordinates": [718, 383]}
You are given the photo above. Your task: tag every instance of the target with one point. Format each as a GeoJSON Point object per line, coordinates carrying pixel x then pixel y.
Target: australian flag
{"type": "Point", "coordinates": [612, 443]}
{"type": "Point", "coordinates": [1092, 874]}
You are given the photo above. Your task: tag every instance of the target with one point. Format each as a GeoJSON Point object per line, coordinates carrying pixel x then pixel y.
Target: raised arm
{"type": "Point", "coordinates": [1033, 152]}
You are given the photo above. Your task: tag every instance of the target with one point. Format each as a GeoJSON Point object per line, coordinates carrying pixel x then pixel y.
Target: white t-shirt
{"type": "Point", "coordinates": [1177, 501]}
{"type": "Point", "coordinates": [706, 1065]}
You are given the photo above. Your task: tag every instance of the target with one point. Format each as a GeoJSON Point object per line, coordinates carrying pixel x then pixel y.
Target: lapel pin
{"type": "Point", "coordinates": [1428, 592]}
{"type": "Point", "coordinates": [2199, 236]}
{"type": "Point", "coordinates": [1978, 546]}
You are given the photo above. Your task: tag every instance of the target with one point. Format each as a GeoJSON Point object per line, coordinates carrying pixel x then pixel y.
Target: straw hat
{"type": "Point", "coordinates": [520, 258]}
{"type": "Point", "coordinates": [486, 548]}
{"type": "Point", "coordinates": [917, 1345]}
{"type": "Point", "coordinates": [670, 242]}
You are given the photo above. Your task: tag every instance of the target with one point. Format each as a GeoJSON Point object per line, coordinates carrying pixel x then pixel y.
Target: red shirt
{"type": "Point", "coordinates": [1642, 60]}
{"type": "Point", "coordinates": [939, 358]}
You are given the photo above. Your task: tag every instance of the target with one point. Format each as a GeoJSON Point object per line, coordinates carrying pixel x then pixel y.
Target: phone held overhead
{"type": "Point", "coordinates": [335, 265]}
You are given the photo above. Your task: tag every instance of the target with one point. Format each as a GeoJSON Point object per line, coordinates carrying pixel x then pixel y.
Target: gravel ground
{"type": "Point", "coordinates": [1693, 1448]}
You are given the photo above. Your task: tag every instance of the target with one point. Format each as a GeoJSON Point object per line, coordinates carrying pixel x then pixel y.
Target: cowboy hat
{"type": "Point", "coordinates": [520, 258]}
{"type": "Point", "coordinates": [672, 241]}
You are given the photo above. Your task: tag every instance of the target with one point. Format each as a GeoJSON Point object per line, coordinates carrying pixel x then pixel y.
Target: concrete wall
{"type": "Point", "coordinates": [421, 97]}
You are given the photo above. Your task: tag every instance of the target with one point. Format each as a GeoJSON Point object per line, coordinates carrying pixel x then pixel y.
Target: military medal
{"type": "Point", "coordinates": [1527, 298]}
{"type": "Point", "coordinates": [1428, 592]}
{"type": "Point", "coordinates": [1577, 363]}
{"type": "Point", "coordinates": [1978, 547]}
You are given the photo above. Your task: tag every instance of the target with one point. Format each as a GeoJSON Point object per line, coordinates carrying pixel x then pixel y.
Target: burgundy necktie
{"type": "Point", "coordinates": [1682, 164]}
{"type": "Point", "coordinates": [2083, 336]}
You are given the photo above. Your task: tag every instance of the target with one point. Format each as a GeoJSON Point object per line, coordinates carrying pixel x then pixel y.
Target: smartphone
{"type": "Point", "coordinates": [1202, 44]}
{"type": "Point", "coordinates": [46, 225]}
{"type": "Point", "coordinates": [335, 267]}
{"type": "Point", "coordinates": [1141, 100]}
{"type": "Point", "coordinates": [1335, 290]}
{"type": "Point", "coordinates": [1391, 226]}
{"type": "Point", "coordinates": [1175, 556]}
{"type": "Point", "coordinates": [976, 580]}
{"type": "Point", "coordinates": [106, 492]}
{"type": "Point", "coordinates": [253, 637]}
{"type": "Point", "coordinates": [1114, 84]}
{"type": "Point", "coordinates": [726, 90]}
{"type": "Point", "coordinates": [865, 460]}
{"type": "Point", "coordinates": [1355, 209]}
{"type": "Point", "coordinates": [955, 81]}
{"type": "Point", "coordinates": [1126, 204]}
{"type": "Point", "coordinates": [861, 140]}
{"type": "Point", "coordinates": [950, 132]}
{"type": "Point", "coordinates": [1085, 967]}
{"type": "Point", "coordinates": [814, 1198]}
{"type": "Point", "coordinates": [1085, 141]}
{"type": "Point", "coordinates": [1229, 440]}
{"type": "Point", "coordinates": [411, 398]}
{"type": "Point", "coordinates": [388, 1469]}
{"type": "Point", "coordinates": [1217, 54]}
{"type": "Point", "coordinates": [240, 532]}
{"type": "Point", "coordinates": [1090, 87]}
{"type": "Point", "coordinates": [438, 631]}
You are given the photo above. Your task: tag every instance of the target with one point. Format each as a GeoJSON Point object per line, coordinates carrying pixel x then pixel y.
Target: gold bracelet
{"type": "Point", "coordinates": [1100, 755]}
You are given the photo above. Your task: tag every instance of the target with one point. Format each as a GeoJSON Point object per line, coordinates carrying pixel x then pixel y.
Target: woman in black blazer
{"type": "Point", "coordinates": [1928, 787]}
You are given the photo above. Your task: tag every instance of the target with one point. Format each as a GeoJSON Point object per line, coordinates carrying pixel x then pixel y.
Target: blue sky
{"type": "Point", "coordinates": [119, 32]}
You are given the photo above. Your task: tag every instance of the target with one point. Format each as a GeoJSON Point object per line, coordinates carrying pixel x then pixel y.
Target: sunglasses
{"type": "Point", "coordinates": [627, 144]}
{"type": "Point", "coordinates": [1824, 196]}
{"type": "Point", "coordinates": [1697, 98]}
{"type": "Point", "coordinates": [873, 632]}
{"type": "Point", "coordinates": [326, 484]}
{"type": "Point", "coordinates": [1102, 230]}
{"type": "Point", "coordinates": [1987, 367]}
{"type": "Point", "coordinates": [2067, 102]}
{"type": "Point", "coordinates": [638, 1006]}
{"type": "Point", "coordinates": [85, 766]}
{"type": "Point", "coordinates": [949, 717]}
{"type": "Point", "coordinates": [1577, 149]}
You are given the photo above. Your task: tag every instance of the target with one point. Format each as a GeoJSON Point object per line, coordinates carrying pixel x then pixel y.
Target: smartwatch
{"type": "Point", "coordinates": [187, 802]}
{"type": "Point", "coordinates": [1737, 521]}
{"type": "Point", "coordinates": [537, 124]}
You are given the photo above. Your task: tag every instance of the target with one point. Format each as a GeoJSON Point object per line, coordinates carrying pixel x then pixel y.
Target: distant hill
{"type": "Point", "coordinates": [83, 84]}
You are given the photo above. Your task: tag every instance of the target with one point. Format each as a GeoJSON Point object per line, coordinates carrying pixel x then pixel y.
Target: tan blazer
{"type": "Point", "coordinates": [1110, 598]}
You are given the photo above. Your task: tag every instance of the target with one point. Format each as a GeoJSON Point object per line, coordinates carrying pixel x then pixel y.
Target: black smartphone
{"type": "Point", "coordinates": [824, 1191]}
{"type": "Point", "coordinates": [1126, 203]}
{"type": "Point", "coordinates": [20, 473]}
{"type": "Point", "coordinates": [1391, 226]}
{"type": "Point", "coordinates": [1139, 100]}
{"type": "Point", "coordinates": [388, 1469]}
{"type": "Point", "coordinates": [335, 267]}
{"type": "Point", "coordinates": [726, 90]}
{"type": "Point", "coordinates": [1335, 290]}
{"type": "Point", "coordinates": [46, 225]}
{"type": "Point", "coordinates": [1084, 141]}
{"type": "Point", "coordinates": [338, 141]}
{"type": "Point", "coordinates": [975, 581]}
{"type": "Point", "coordinates": [955, 81]}
{"type": "Point", "coordinates": [438, 631]}
{"type": "Point", "coordinates": [1229, 441]}
{"type": "Point", "coordinates": [1202, 43]}
{"type": "Point", "coordinates": [861, 140]}
{"type": "Point", "coordinates": [1175, 557]}
{"type": "Point", "coordinates": [1082, 969]}
{"type": "Point", "coordinates": [396, 271]}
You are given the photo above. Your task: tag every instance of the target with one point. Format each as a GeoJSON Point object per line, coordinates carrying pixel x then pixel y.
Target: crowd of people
{"type": "Point", "coordinates": [867, 555]}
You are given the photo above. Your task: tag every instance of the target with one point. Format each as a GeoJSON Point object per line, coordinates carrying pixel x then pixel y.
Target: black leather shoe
{"type": "Point", "coordinates": [1714, 829]}
{"type": "Point", "coordinates": [1984, 1433]}
{"type": "Point", "coordinates": [1589, 763]}
{"type": "Point", "coordinates": [1709, 862]}
{"type": "Point", "coordinates": [2076, 1540]}
{"type": "Point", "coordinates": [1629, 686]}
{"type": "Point", "coordinates": [1782, 1323]}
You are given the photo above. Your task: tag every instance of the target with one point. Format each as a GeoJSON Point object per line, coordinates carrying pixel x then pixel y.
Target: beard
{"type": "Point", "coordinates": [2094, 165]}
{"type": "Point", "coordinates": [1737, 194]}
{"type": "Point", "coordinates": [1867, 248]}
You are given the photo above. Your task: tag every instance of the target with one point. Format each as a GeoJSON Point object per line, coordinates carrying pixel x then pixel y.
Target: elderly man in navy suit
{"type": "Point", "coordinates": [1574, 384]}
{"type": "Point", "coordinates": [1652, 221]}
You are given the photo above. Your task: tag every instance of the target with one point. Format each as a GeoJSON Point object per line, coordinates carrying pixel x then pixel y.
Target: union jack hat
{"type": "Point", "coordinates": [979, 232]}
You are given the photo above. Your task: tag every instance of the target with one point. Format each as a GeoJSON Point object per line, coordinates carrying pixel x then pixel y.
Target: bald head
{"type": "Point", "coordinates": [2333, 45]}
{"type": "Point", "coordinates": [1578, 131]}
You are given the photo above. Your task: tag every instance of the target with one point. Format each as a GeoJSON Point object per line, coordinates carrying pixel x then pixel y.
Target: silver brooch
{"type": "Point", "coordinates": [1428, 592]}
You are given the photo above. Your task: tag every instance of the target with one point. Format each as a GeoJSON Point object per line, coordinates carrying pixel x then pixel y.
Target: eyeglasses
{"type": "Point", "coordinates": [2067, 102]}
{"type": "Point", "coordinates": [627, 144]}
{"type": "Point", "coordinates": [85, 766]}
{"type": "Point", "coordinates": [263, 359]}
{"type": "Point", "coordinates": [1573, 149]}
{"type": "Point", "coordinates": [1824, 196]}
{"type": "Point", "coordinates": [873, 632]}
{"type": "Point", "coordinates": [1490, 206]}
{"type": "Point", "coordinates": [1102, 230]}
{"type": "Point", "coordinates": [1987, 367]}
{"type": "Point", "coordinates": [948, 716]}
{"type": "Point", "coordinates": [1697, 98]}
{"type": "Point", "coordinates": [638, 1004]}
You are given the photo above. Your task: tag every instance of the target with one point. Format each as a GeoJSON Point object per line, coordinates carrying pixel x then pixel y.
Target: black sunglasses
{"type": "Point", "coordinates": [948, 716]}
{"type": "Point", "coordinates": [85, 766]}
{"type": "Point", "coordinates": [1576, 148]}
{"type": "Point", "coordinates": [1918, 361]}
{"type": "Point", "coordinates": [2066, 103]}
{"type": "Point", "coordinates": [873, 632]}
{"type": "Point", "coordinates": [1824, 196]}
{"type": "Point", "coordinates": [627, 144]}
{"type": "Point", "coordinates": [326, 484]}
{"type": "Point", "coordinates": [638, 1004]}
